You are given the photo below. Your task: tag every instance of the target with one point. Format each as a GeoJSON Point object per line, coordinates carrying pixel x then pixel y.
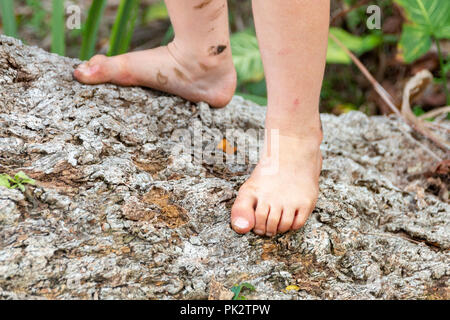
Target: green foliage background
{"type": "Point", "coordinates": [427, 23]}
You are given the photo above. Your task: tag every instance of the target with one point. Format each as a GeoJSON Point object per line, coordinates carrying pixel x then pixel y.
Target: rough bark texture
{"type": "Point", "coordinates": [116, 215]}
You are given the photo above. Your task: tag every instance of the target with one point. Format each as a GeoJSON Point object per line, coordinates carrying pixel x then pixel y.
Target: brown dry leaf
{"type": "Point", "coordinates": [217, 291]}
{"type": "Point", "coordinates": [226, 147]}
{"type": "Point", "coordinates": [414, 87]}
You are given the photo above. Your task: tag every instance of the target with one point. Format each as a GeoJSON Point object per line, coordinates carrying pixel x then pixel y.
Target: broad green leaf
{"type": "Point", "coordinates": [20, 186]}
{"type": "Point", "coordinates": [357, 45]}
{"type": "Point", "coordinates": [5, 181]}
{"type": "Point", "coordinates": [443, 33]}
{"type": "Point", "coordinates": [427, 19]}
{"type": "Point", "coordinates": [414, 43]}
{"type": "Point", "coordinates": [430, 14]}
{"type": "Point", "coordinates": [246, 57]}
{"type": "Point", "coordinates": [90, 29]}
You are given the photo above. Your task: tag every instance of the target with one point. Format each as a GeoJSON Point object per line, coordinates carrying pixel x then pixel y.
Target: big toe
{"type": "Point", "coordinates": [97, 70]}
{"type": "Point", "coordinates": [243, 213]}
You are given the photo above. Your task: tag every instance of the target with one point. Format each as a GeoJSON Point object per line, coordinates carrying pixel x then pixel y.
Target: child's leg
{"type": "Point", "coordinates": [197, 65]}
{"type": "Point", "coordinates": [293, 39]}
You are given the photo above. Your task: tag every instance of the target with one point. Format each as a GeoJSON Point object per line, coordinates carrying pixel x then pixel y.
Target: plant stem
{"type": "Point", "coordinates": [9, 18]}
{"type": "Point", "coordinates": [91, 29]}
{"type": "Point", "coordinates": [123, 27]}
{"type": "Point", "coordinates": [443, 74]}
{"type": "Point", "coordinates": [58, 27]}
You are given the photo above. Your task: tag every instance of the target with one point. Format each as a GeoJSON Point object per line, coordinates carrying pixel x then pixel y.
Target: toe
{"type": "Point", "coordinates": [97, 70]}
{"type": "Point", "coordinates": [261, 213]}
{"type": "Point", "coordinates": [273, 220]}
{"type": "Point", "coordinates": [302, 213]}
{"type": "Point", "coordinates": [287, 220]}
{"type": "Point", "coordinates": [243, 213]}
{"type": "Point", "coordinates": [300, 219]}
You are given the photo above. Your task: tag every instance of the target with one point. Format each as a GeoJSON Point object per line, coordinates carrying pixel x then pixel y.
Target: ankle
{"type": "Point", "coordinates": [302, 129]}
{"type": "Point", "coordinates": [209, 60]}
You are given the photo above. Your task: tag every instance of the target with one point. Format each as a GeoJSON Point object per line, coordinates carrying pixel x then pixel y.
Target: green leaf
{"type": "Point", "coordinates": [430, 14]}
{"type": "Point", "coordinates": [256, 88]}
{"type": "Point", "coordinates": [90, 29]}
{"type": "Point", "coordinates": [237, 288]}
{"type": "Point", "coordinates": [20, 186]}
{"type": "Point", "coordinates": [357, 45]}
{"type": "Point", "coordinates": [443, 33]}
{"type": "Point", "coordinates": [414, 43]}
{"type": "Point", "coordinates": [156, 11]}
{"type": "Point", "coordinates": [262, 101]}
{"type": "Point", "coordinates": [248, 286]}
{"type": "Point", "coordinates": [123, 27]}
{"type": "Point", "coordinates": [246, 57]}
{"type": "Point", "coordinates": [418, 111]}
{"type": "Point", "coordinates": [168, 36]}
{"type": "Point", "coordinates": [58, 27]}
{"type": "Point", "coordinates": [427, 19]}
{"type": "Point", "coordinates": [21, 177]}
{"type": "Point", "coordinates": [446, 68]}
{"type": "Point", "coordinates": [5, 181]}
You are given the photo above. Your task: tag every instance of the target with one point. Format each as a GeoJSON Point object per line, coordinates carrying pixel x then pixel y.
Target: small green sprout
{"type": "Point", "coordinates": [237, 288]}
{"type": "Point", "coordinates": [18, 182]}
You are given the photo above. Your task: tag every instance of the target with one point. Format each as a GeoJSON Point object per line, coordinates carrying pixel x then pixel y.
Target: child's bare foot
{"type": "Point", "coordinates": [275, 201]}
{"type": "Point", "coordinates": [207, 76]}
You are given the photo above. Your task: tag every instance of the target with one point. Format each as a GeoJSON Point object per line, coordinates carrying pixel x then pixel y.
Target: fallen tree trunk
{"type": "Point", "coordinates": [116, 214]}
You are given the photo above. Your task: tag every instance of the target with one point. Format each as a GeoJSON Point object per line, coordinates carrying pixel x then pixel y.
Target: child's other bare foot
{"type": "Point", "coordinates": [275, 202]}
{"type": "Point", "coordinates": [207, 76]}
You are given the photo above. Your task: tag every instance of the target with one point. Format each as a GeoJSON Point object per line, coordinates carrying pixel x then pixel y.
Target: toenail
{"type": "Point", "coordinates": [269, 234]}
{"type": "Point", "coordinates": [82, 67]}
{"type": "Point", "coordinates": [260, 232]}
{"type": "Point", "coordinates": [241, 223]}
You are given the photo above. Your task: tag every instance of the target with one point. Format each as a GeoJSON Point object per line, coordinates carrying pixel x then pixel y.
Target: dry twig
{"type": "Point", "coordinates": [416, 125]}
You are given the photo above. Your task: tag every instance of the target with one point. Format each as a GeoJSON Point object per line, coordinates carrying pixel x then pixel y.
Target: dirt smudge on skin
{"type": "Point", "coordinates": [203, 66]}
{"type": "Point", "coordinates": [180, 74]}
{"type": "Point", "coordinates": [216, 50]}
{"type": "Point", "coordinates": [162, 79]}
{"type": "Point", "coordinates": [203, 4]}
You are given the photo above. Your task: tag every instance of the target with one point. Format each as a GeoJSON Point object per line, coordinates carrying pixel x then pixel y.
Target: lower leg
{"type": "Point", "coordinates": [293, 37]}
{"type": "Point", "coordinates": [197, 65]}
